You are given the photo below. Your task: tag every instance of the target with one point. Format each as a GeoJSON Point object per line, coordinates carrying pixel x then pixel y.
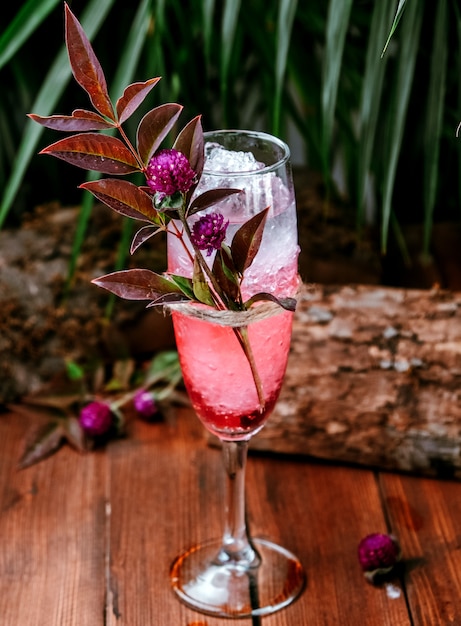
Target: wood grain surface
{"type": "Point", "coordinates": [374, 377]}
{"type": "Point", "coordinates": [89, 539]}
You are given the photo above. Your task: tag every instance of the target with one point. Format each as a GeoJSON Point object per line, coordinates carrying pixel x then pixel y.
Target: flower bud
{"type": "Point", "coordinates": [209, 232]}
{"type": "Point", "coordinates": [168, 172]}
{"type": "Point", "coordinates": [144, 403]}
{"type": "Point", "coordinates": [378, 554]}
{"type": "Point", "coordinates": [96, 418]}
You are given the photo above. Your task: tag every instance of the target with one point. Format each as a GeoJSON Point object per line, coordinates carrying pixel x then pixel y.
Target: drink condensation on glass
{"type": "Point", "coordinates": [215, 369]}
{"type": "Point", "coordinates": [238, 576]}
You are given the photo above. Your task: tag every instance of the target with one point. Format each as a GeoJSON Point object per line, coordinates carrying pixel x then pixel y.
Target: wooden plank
{"type": "Point", "coordinates": [321, 513]}
{"type": "Point", "coordinates": [166, 495]}
{"type": "Point", "coordinates": [52, 535]}
{"type": "Point", "coordinates": [373, 377]}
{"type": "Point", "coordinates": [425, 515]}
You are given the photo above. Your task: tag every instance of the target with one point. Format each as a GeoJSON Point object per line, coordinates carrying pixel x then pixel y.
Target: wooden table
{"type": "Point", "coordinates": [88, 540]}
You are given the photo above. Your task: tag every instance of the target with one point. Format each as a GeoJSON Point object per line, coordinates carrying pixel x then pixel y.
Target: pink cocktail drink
{"type": "Point", "coordinates": [215, 369]}
{"type": "Point", "coordinates": [219, 379]}
{"type": "Point", "coordinates": [233, 365]}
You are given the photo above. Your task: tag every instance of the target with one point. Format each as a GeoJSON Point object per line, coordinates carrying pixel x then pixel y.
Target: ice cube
{"type": "Point", "coordinates": [222, 161]}
{"type": "Point", "coordinates": [227, 168]}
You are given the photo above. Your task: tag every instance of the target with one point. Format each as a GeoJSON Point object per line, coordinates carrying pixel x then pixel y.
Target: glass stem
{"type": "Point", "coordinates": [237, 547]}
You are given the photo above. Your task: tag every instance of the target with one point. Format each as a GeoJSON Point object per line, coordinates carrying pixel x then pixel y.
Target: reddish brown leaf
{"type": "Point", "coordinates": [132, 97]}
{"type": "Point", "coordinates": [208, 198]}
{"type": "Point", "coordinates": [246, 241]}
{"type": "Point", "coordinates": [43, 441]}
{"type": "Point", "coordinates": [154, 127]}
{"type": "Point", "coordinates": [74, 434]}
{"type": "Point", "coordinates": [289, 304]}
{"type": "Point", "coordinates": [143, 234]}
{"type": "Point", "coordinates": [85, 65]}
{"type": "Point", "coordinates": [123, 197]}
{"type": "Point", "coordinates": [59, 401]}
{"type": "Point", "coordinates": [190, 143]}
{"type": "Point", "coordinates": [91, 151]}
{"type": "Point", "coordinates": [79, 121]}
{"type": "Point", "coordinates": [136, 284]}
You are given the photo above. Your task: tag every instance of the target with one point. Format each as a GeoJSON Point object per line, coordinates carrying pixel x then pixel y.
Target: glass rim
{"type": "Point", "coordinates": [271, 139]}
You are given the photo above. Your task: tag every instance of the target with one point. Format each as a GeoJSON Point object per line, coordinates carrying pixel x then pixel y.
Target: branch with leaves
{"type": "Point", "coordinates": [167, 200]}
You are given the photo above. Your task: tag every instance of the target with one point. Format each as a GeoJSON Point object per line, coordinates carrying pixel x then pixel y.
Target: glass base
{"type": "Point", "coordinates": [233, 590]}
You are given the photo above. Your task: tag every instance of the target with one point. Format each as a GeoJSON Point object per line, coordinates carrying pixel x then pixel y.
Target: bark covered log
{"type": "Point", "coordinates": [374, 377]}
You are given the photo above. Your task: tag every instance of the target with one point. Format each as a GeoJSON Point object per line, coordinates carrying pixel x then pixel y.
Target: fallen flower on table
{"type": "Point", "coordinates": [378, 555]}
{"type": "Point", "coordinates": [88, 408]}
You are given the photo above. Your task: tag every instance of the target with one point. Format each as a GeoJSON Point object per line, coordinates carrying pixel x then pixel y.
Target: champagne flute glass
{"type": "Point", "coordinates": [239, 576]}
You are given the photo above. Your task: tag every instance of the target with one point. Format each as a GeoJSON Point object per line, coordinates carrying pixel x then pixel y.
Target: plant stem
{"type": "Point", "coordinates": [240, 332]}
{"type": "Point", "coordinates": [180, 236]}
{"type": "Point", "coordinates": [242, 335]}
{"type": "Point", "coordinates": [216, 288]}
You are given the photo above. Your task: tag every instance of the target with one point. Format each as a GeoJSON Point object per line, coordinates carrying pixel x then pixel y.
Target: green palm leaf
{"type": "Point", "coordinates": [336, 29]}
{"type": "Point", "coordinates": [28, 18]}
{"type": "Point", "coordinates": [370, 104]}
{"type": "Point", "coordinates": [397, 18]}
{"type": "Point", "coordinates": [286, 15]}
{"type": "Point", "coordinates": [228, 30]}
{"type": "Point", "coordinates": [434, 118]}
{"type": "Point", "coordinates": [411, 26]}
{"type": "Point", "coordinates": [52, 88]}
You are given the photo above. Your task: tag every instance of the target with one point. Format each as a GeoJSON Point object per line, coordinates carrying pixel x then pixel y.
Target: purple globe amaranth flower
{"type": "Point", "coordinates": [209, 232]}
{"type": "Point", "coordinates": [96, 418]}
{"type": "Point", "coordinates": [378, 554]}
{"type": "Point", "coordinates": [168, 172]}
{"type": "Point", "coordinates": [144, 403]}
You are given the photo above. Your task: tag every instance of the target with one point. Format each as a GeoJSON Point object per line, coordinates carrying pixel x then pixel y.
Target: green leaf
{"type": "Point", "coordinates": [154, 127]}
{"type": "Point", "coordinates": [285, 19]}
{"type": "Point", "coordinates": [411, 26]}
{"type": "Point", "coordinates": [395, 23]}
{"type": "Point", "coordinates": [122, 373]}
{"type": "Point", "coordinates": [123, 197]}
{"type": "Point", "coordinates": [370, 101]}
{"type": "Point", "coordinates": [164, 366]}
{"type": "Point", "coordinates": [85, 65]}
{"type": "Point", "coordinates": [208, 11]}
{"type": "Point", "coordinates": [336, 29]}
{"type": "Point", "coordinates": [74, 371]}
{"type": "Point", "coordinates": [31, 14]}
{"type": "Point", "coordinates": [52, 88]}
{"type": "Point", "coordinates": [246, 241]}
{"type": "Point", "coordinates": [228, 30]}
{"type": "Point", "coordinates": [129, 57]}
{"type": "Point", "coordinates": [185, 284]}
{"type": "Point", "coordinates": [92, 151]}
{"type": "Point", "coordinates": [434, 119]}
{"type": "Point", "coordinates": [200, 286]}
{"type": "Point", "coordinates": [137, 284]}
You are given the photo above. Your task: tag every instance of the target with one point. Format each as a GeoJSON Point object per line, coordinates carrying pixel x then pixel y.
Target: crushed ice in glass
{"type": "Point", "coordinates": [220, 160]}
{"type": "Point", "coordinates": [227, 168]}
